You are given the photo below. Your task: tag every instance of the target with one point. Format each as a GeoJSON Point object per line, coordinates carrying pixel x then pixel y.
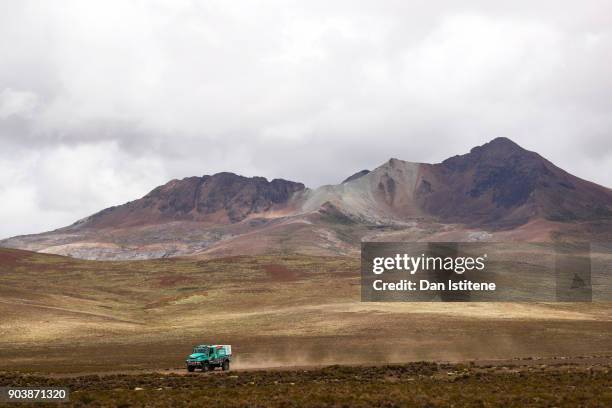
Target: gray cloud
{"type": "Point", "coordinates": [102, 101]}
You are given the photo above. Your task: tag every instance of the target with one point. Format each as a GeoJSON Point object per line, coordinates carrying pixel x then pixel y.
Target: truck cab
{"type": "Point", "coordinates": [207, 357]}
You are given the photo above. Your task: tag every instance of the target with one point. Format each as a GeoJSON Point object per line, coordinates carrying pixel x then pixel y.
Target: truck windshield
{"type": "Point", "coordinates": [200, 350]}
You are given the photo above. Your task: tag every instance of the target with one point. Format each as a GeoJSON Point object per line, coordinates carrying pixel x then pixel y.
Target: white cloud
{"type": "Point", "coordinates": [54, 187]}
{"type": "Point", "coordinates": [101, 101]}
{"type": "Point", "coordinates": [17, 103]}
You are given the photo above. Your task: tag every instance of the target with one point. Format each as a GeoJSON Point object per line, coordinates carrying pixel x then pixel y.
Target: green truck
{"type": "Point", "coordinates": [207, 357]}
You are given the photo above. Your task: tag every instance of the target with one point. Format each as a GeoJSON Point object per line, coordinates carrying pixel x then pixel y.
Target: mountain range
{"type": "Point", "coordinates": [496, 192]}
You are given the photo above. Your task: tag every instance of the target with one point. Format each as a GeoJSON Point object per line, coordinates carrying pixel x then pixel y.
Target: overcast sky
{"type": "Point", "coordinates": [101, 101]}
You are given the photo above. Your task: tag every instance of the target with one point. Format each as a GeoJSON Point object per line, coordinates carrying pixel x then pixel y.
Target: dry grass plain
{"type": "Point", "coordinates": [62, 315]}
{"type": "Point", "coordinates": [519, 383]}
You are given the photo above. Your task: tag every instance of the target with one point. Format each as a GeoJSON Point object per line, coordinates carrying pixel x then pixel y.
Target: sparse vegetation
{"type": "Point", "coordinates": [280, 311]}
{"type": "Point", "coordinates": [417, 384]}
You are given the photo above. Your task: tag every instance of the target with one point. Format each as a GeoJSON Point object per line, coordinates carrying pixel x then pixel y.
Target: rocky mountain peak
{"type": "Point", "coordinates": [220, 198]}
{"type": "Point", "coordinates": [355, 176]}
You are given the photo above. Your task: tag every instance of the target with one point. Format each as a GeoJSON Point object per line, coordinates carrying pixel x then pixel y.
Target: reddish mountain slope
{"type": "Point", "coordinates": [497, 191]}
{"type": "Point", "coordinates": [502, 185]}
{"type": "Point", "coordinates": [219, 199]}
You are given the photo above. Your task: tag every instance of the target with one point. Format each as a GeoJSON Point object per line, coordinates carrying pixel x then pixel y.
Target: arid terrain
{"type": "Point", "coordinates": [117, 334]}
{"type": "Point", "coordinates": [306, 203]}
{"type": "Point", "coordinates": [496, 192]}
{"type": "Point", "coordinates": [272, 268]}
{"type": "Point", "coordinates": [59, 314]}
{"type": "Point", "coordinates": [581, 382]}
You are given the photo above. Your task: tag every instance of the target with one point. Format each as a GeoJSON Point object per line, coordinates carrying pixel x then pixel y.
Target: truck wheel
{"type": "Point", "coordinates": [225, 365]}
{"type": "Point", "coordinates": [190, 369]}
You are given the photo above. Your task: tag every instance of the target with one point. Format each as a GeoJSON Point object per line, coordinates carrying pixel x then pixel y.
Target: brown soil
{"type": "Point", "coordinates": [518, 383]}
{"type": "Point", "coordinates": [280, 273]}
